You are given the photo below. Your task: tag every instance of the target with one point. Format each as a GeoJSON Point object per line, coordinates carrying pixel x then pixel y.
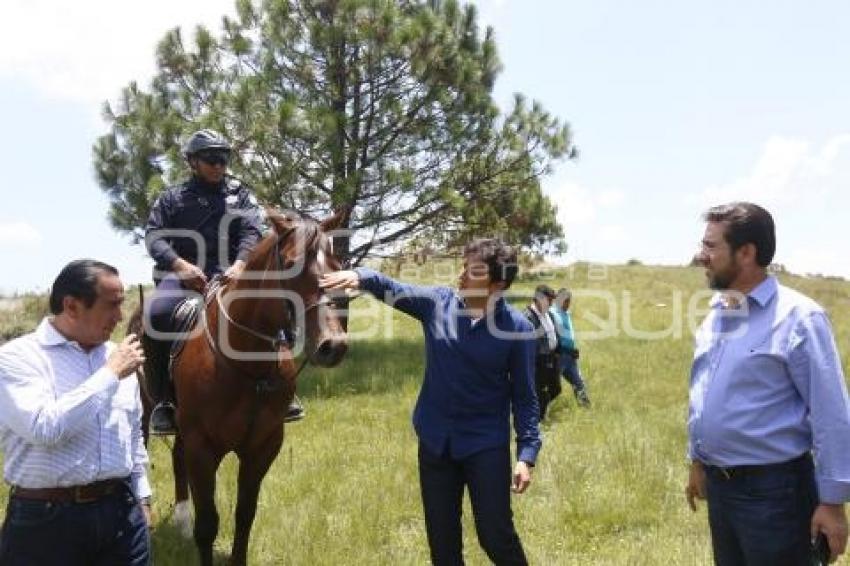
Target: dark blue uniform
{"type": "Point", "coordinates": [225, 222]}
{"type": "Point", "coordinates": [201, 208]}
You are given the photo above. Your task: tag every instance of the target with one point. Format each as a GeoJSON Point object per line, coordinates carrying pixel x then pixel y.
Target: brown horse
{"type": "Point", "coordinates": [236, 375]}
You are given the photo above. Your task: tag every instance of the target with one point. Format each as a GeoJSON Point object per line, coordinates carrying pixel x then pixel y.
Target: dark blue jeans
{"type": "Point", "coordinates": [110, 531]}
{"type": "Point", "coordinates": [570, 371]}
{"type": "Point", "coordinates": [762, 519]}
{"type": "Point", "coordinates": [487, 475]}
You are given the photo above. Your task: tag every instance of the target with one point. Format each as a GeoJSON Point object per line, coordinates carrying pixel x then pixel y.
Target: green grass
{"type": "Point", "coordinates": [608, 488]}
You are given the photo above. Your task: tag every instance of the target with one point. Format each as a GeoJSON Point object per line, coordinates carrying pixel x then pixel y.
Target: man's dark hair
{"type": "Point", "coordinates": [544, 291]}
{"type": "Point", "coordinates": [747, 223]}
{"type": "Point", "coordinates": [78, 279]}
{"type": "Point", "coordinates": [501, 259]}
{"type": "Point", "coordinates": [564, 294]}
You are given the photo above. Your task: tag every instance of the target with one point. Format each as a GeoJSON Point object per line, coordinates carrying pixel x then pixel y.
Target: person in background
{"type": "Point", "coordinates": [769, 416]}
{"type": "Point", "coordinates": [70, 427]}
{"type": "Point", "coordinates": [546, 379]}
{"type": "Point", "coordinates": [568, 353]}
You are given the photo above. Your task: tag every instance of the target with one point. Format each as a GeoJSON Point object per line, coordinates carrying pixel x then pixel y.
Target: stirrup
{"type": "Point", "coordinates": [295, 411]}
{"type": "Point", "coordinates": [163, 422]}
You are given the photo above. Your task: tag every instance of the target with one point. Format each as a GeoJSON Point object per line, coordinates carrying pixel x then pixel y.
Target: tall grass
{"type": "Point", "coordinates": [608, 487]}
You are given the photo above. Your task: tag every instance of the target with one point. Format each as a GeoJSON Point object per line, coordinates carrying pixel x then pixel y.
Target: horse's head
{"type": "Point", "coordinates": [298, 253]}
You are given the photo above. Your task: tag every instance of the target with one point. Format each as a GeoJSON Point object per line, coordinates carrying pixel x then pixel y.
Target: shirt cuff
{"type": "Point", "coordinates": [141, 486]}
{"type": "Point", "coordinates": [833, 491]}
{"type": "Point", "coordinates": [527, 454]}
{"type": "Point", "coordinates": [166, 258]}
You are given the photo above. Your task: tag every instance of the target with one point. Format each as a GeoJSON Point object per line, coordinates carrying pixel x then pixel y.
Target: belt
{"type": "Point", "coordinates": [71, 494]}
{"type": "Point", "coordinates": [731, 472]}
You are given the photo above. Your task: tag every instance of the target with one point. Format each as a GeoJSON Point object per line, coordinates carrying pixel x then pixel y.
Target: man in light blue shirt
{"type": "Point", "coordinates": [767, 395]}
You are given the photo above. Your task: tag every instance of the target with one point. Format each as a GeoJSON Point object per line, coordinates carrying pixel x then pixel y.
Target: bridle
{"type": "Point", "coordinates": [286, 336]}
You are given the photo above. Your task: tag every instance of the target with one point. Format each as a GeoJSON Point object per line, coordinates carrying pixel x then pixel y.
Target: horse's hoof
{"type": "Point", "coordinates": [182, 519]}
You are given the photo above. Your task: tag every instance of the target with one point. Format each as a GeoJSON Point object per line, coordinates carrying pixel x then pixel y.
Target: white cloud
{"type": "Point", "coordinates": [803, 186]}
{"type": "Point", "coordinates": [18, 234]}
{"type": "Point", "coordinates": [787, 172]}
{"type": "Point", "coordinates": [579, 205]}
{"type": "Point", "coordinates": [86, 51]}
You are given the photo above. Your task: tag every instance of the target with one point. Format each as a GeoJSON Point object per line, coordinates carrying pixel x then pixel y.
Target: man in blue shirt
{"type": "Point", "coordinates": [767, 394]}
{"type": "Point", "coordinates": [479, 369]}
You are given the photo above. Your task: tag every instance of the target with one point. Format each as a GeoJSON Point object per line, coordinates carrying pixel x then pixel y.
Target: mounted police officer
{"type": "Point", "coordinates": [203, 227]}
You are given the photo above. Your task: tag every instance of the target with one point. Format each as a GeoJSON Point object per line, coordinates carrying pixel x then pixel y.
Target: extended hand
{"type": "Point", "coordinates": [126, 357]}
{"type": "Point", "coordinates": [522, 477]}
{"type": "Point", "coordinates": [830, 520]}
{"type": "Point", "coordinates": [696, 485]}
{"type": "Point", "coordinates": [340, 280]}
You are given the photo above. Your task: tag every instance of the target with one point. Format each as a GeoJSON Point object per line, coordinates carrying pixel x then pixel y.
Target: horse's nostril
{"type": "Point", "coordinates": [325, 349]}
{"type": "Point", "coordinates": [330, 352]}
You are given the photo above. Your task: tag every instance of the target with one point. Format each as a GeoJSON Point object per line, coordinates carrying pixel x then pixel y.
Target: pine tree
{"type": "Point", "coordinates": [380, 109]}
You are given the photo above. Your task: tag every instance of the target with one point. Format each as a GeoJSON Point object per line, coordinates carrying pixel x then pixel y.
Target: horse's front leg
{"type": "Point", "coordinates": [254, 462]}
{"type": "Point", "coordinates": [201, 464]}
{"type": "Point", "coordinates": [182, 518]}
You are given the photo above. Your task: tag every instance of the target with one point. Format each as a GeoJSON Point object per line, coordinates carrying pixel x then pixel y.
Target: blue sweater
{"type": "Point", "coordinates": [475, 374]}
{"type": "Point", "coordinates": [564, 328]}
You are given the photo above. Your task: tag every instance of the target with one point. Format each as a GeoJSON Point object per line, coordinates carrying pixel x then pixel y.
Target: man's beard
{"type": "Point", "coordinates": [720, 281]}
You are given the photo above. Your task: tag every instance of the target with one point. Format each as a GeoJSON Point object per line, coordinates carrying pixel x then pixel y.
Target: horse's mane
{"type": "Point", "coordinates": [303, 229]}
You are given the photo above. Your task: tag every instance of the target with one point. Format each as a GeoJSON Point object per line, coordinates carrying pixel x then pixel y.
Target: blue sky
{"type": "Point", "coordinates": [675, 106]}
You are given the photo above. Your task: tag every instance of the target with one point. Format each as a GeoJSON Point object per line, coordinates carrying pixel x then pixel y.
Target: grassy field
{"type": "Point", "coordinates": [608, 488]}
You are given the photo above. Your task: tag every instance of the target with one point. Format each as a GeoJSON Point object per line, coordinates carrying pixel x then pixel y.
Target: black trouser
{"type": "Point", "coordinates": [547, 382]}
{"type": "Point", "coordinates": [487, 475]}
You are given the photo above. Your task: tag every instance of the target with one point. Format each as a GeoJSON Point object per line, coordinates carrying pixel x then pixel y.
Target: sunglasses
{"type": "Point", "coordinates": [214, 157]}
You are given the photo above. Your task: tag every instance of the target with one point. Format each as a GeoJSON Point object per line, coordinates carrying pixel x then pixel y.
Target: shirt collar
{"type": "Point", "coordinates": [498, 306]}
{"type": "Point", "coordinates": [761, 293]}
{"type": "Point", "coordinates": [47, 334]}
{"type": "Point", "coordinates": [764, 291]}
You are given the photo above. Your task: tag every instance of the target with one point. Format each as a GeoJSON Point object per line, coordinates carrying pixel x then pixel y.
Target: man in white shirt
{"type": "Point", "coordinates": [70, 430]}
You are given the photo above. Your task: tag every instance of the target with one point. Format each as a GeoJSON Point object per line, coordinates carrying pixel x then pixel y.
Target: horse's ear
{"type": "Point", "coordinates": [281, 221]}
{"type": "Point", "coordinates": [334, 222]}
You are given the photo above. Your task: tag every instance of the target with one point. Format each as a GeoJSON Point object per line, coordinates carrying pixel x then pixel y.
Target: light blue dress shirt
{"type": "Point", "coordinates": [767, 386]}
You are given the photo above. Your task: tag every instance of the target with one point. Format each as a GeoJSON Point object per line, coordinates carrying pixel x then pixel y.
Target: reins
{"type": "Point", "coordinates": [285, 338]}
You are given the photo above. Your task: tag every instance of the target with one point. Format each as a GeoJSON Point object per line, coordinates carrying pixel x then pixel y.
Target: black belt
{"type": "Point", "coordinates": [727, 473]}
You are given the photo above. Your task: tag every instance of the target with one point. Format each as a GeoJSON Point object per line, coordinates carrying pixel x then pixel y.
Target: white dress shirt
{"type": "Point", "coordinates": [65, 418]}
{"type": "Point", "coordinates": [548, 327]}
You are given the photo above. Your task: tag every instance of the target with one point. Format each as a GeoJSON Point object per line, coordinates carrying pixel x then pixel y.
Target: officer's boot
{"type": "Point", "coordinates": [295, 411]}
{"type": "Point", "coordinates": [163, 421]}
